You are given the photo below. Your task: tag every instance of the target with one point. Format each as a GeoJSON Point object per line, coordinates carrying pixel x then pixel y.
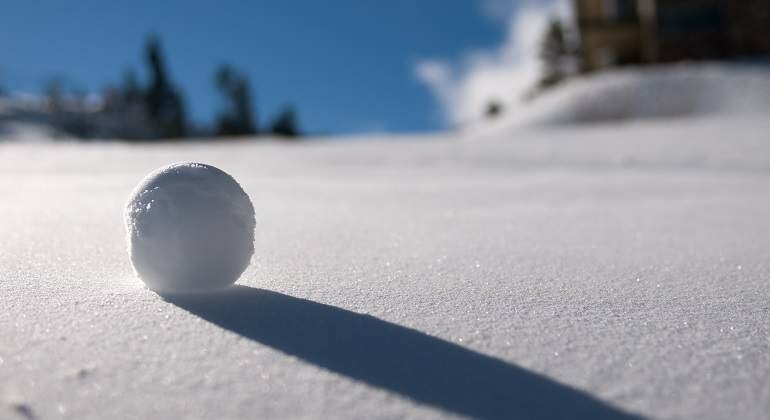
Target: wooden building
{"type": "Point", "coordinates": [620, 32]}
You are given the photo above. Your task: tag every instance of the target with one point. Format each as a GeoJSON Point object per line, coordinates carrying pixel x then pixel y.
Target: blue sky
{"type": "Point", "coordinates": [347, 66]}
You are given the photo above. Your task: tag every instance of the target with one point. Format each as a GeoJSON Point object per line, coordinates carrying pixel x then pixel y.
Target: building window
{"type": "Point", "coordinates": [686, 17]}
{"type": "Point", "coordinates": [620, 10]}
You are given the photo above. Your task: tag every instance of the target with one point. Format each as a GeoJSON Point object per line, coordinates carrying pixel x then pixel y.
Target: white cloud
{"type": "Point", "coordinates": [464, 88]}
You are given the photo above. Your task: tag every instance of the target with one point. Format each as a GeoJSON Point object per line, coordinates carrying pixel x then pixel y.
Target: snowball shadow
{"type": "Point", "coordinates": [425, 369]}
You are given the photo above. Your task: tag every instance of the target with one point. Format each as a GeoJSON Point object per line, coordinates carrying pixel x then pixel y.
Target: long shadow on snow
{"type": "Point", "coordinates": [398, 359]}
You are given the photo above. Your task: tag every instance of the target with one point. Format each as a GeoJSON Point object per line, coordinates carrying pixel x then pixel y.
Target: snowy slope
{"type": "Point", "coordinates": [613, 271]}
{"type": "Point", "coordinates": [682, 90]}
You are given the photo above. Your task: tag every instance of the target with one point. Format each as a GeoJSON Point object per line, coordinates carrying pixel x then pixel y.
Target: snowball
{"type": "Point", "coordinates": [190, 228]}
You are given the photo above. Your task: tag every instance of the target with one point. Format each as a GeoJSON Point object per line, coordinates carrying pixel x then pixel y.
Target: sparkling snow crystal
{"type": "Point", "coordinates": [190, 228]}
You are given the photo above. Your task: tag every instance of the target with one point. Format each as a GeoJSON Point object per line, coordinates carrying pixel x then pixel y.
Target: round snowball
{"type": "Point", "coordinates": [190, 228]}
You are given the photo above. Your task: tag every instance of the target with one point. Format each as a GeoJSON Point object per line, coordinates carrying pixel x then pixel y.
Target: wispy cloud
{"type": "Point", "coordinates": [464, 87]}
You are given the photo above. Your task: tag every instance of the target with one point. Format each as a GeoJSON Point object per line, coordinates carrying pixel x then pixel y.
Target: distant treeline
{"type": "Point", "coordinates": [157, 109]}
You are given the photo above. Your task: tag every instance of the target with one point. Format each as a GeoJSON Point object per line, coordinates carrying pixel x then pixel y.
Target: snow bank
{"type": "Point", "coordinates": [680, 90]}
{"type": "Point", "coordinates": [24, 119]}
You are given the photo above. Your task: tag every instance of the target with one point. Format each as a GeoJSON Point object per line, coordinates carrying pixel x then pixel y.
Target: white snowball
{"type": "Point", "coordinates": [190, 228]}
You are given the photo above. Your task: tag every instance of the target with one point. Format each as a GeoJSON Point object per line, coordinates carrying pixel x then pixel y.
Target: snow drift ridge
{"type": "Point", "coordinates": [679, 90]}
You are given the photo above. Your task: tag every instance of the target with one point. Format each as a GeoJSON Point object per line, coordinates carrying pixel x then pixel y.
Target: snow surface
{"type": "Point", "coordinates": [189, 228]}
{"type": "Point", "coordinates": [612, 271]}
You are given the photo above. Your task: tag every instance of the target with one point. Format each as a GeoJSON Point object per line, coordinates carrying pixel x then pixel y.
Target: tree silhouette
{"type": "Point", "coordinates": [238, 118]}
{"type": "Point", "coordinates": [130, 90]}
{"type": "Point", "coordinates": [553, 52]}
{"type": "Point", "coordinates": [285, 123]}
{"type": "Point", "coordinates": [164, 103]}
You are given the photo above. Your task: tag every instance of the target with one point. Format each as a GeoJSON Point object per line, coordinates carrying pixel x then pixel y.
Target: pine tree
{"type": "Point", "coordinates": [553, 53]}
{"type": "Point", "coordinates": [130, 88]}
{"type": "Point", "coordinates": [238, 118]}
{"type": "Point", "coordinates": [285, 123]}
{"type": "Point", "coordinates": [164, 103]}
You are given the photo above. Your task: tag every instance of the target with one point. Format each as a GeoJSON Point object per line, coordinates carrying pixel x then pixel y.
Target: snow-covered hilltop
{"type": "Point", "coordinates": [640, 93]}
